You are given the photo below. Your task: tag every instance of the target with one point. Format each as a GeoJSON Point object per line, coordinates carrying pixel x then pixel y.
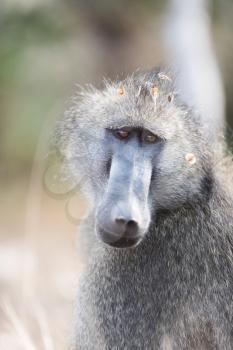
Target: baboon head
{"type": "Point", "coordinates": [136, 150]}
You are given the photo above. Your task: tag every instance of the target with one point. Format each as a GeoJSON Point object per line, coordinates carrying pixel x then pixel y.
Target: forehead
{"type": "Point", "coordinates": [147, 101]}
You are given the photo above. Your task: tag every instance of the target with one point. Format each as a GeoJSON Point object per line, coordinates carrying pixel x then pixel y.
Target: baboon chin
{"type": "Point", "coordinates": [156, 184]}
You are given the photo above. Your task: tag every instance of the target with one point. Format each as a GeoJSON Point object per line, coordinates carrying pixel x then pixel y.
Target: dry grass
{"type": "Point", "coordinates": [38, 276]}
{"type": "Point", "coordinates": [37, 280]}
{"type": "Point", "coordinates": [38, 267]}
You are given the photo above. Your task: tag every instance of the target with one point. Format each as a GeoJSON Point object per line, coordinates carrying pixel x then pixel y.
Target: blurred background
{"type": "Point", "coordinates": [46, 47]}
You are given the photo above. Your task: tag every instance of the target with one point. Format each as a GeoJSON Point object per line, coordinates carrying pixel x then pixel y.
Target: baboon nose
{"type": "Point", "coordinates": [128, 227]}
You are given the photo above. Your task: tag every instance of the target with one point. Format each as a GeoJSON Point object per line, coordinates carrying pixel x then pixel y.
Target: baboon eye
{"type": "Point", "coordinates": [148, 137]}
{"type": "Point", "coordinates": [122, 133]}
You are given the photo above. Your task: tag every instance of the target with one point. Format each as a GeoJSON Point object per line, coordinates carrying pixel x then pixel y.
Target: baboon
{"type": "Point", "coordinates": [159, 271]}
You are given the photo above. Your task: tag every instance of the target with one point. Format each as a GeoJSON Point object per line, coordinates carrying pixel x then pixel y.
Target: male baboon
{"type": "Point", "coordinates": [151, 175]}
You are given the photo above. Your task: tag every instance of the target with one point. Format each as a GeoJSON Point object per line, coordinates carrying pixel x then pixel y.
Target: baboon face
{"type": "Point", "coordinates": [138, 151]}
{"type": "Point", "coordinates": [123, 216]}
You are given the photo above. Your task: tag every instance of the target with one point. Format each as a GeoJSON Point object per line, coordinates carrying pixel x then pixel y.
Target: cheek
{"type": "Point", "coordinates": [175, 180]}
{"type": "Point", "coordinates": [171, 161]}
{"type": "Point", "coordinates": [168, 193]}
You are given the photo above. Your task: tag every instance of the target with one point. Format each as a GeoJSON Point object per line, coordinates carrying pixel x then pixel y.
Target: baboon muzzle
{"type": "Point", "coordinates": [123, 216]}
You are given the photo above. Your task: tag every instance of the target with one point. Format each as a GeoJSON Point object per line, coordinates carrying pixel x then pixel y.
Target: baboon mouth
{"type": "Point", "coordinates": [125, 242]}
{"type": "Point", "coordinates": [117, 241]}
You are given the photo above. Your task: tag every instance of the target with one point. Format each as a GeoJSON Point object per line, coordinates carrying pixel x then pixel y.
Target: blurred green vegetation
{"type": "Point", "coordinates": [25, 96]}
{"type": "Point", "coordinates": [18, 31]}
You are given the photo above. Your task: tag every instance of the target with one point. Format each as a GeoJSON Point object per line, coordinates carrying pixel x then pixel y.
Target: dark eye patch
{"type": "Point", "coordinates": [122, 133]}
{"type": "Point", "coordinates": [149, 137]}
{"type": "Point", "coordinates": [144, 135]}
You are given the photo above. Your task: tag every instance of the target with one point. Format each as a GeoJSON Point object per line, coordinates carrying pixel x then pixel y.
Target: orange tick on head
{"type": "Point", "coordinates": [163, 76]}
{"type": "Point", "coordinates": [190, 158]}
{"type": "Point", "coordinates": [121, 91]}
{"type": "Point", "coordinates": [154, 90]}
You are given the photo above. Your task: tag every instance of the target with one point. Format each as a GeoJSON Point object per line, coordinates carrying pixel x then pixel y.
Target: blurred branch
{"type": "Point", "coordinates": [190, 49]}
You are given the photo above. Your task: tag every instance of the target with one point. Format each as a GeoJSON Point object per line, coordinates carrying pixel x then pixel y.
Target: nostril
{"type": "Point", "coordinates": [120, 221]}
{"type": "Point", "coordinates": [132, 224]}
{"type": "Point", "coordinates": [126, 227]}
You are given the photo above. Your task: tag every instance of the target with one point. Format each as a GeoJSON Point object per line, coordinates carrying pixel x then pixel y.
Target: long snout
{"type": "Point", "coordinates": [123, 216]}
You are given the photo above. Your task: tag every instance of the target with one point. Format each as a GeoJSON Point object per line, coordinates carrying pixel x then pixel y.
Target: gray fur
{"type": "Point", "coordinates": [174, 290]}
